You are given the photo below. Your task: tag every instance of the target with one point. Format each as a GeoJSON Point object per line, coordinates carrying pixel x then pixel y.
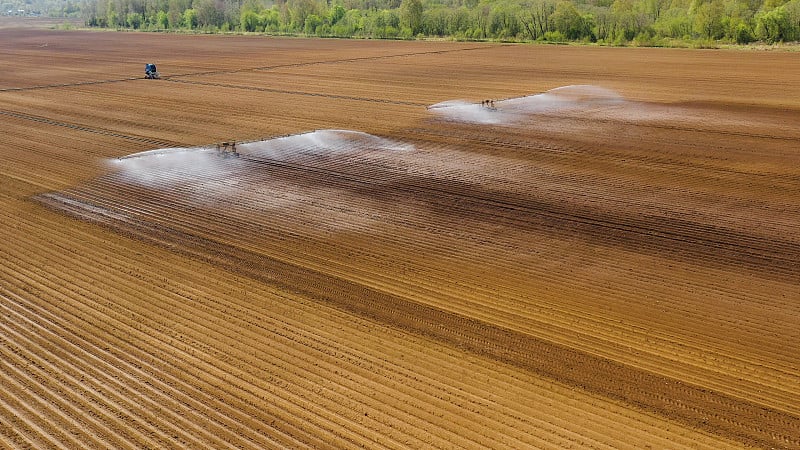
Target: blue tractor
{"type": "Point", "coordinates": [150, 72]}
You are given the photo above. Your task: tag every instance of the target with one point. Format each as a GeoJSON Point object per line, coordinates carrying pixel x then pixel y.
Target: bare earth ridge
{"type": "Point", "coordinates": [606, 255]}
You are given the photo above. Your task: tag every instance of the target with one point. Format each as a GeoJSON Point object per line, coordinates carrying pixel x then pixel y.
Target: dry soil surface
{"type": "Point", "coordinates": [607, 255]}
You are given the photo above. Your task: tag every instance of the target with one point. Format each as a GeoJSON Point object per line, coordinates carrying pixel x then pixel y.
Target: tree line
{"type": "Point", "coordinates": [619, 22]}
{"type": "Point", "coordinates": [47, 8]}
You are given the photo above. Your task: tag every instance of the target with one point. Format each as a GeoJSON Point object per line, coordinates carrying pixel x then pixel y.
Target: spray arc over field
{"type": "Point", "coordinates": [322, 142]}
{"type": "Point", "coordinates": [194, 164]}
{"type": "Point", "coordinates": [512, 111]}
{"type": "Point", "coordinates": [267, 176]}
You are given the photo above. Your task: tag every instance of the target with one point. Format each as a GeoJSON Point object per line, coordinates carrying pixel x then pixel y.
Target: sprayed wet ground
{"type": "Point", "coordinates": [605, 256]}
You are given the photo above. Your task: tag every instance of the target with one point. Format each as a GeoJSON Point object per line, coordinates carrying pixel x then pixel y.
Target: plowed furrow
{"type": "Point", "coordinates": [141, 365]}
{"type": "Point", "coordinates": [214, 213]}
{"type": "Point", "coordinates": [220, 232]}
{"type": "Point", "coordinates": [421, 409]}
{"type": "Point", "coordinates": [694, 241]}
{"type": "Point", "coordinates": [736, 417]}
{"type": "Point", "coordinates": [240, 392]}
{"type": "Point", "coordinates": [34, 387]}
{"type": "Point", "coordinates": [161, 316]}
{"type": "Point", "coordinates": [238, 226]}
{"type": "Point", "coordinates": [322, 343]}
{"type": "Point", "coordinates": [83, 312]}
{"type": "Point", "coordinates": [127, 401]}
{"type": "Point", "coordinates": [577, 438]}
{"type": "Point", "coordinates": [279, 353]}
{"type": "Point", "coordinates": [88, 129]}
{"type": "Point", "coordinates": [588, 270]}
{"type": "Point", "coordinates": [303, 93]}
{"type": "Point", "coordinates": [25, 426]}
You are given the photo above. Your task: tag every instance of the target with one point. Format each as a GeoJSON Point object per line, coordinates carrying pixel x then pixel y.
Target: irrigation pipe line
{"type": "Point", "coordinates": [245, 69]}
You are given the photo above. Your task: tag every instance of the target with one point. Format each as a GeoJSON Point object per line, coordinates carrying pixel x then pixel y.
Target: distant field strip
{"type": "Point", "coordinates": [333, 61]}
{"type": "Point", "coordinates": [291, 92]}
{"type": "Point", "coordinates": [173, 77]}
{"type": "Point", "coordinates": [771, 257]}
{"type": "Point", "coordinates": [62, 85]}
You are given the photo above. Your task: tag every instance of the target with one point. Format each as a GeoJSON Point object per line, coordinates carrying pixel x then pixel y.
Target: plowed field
{"type": "Point", "coordinates": [607, 255]}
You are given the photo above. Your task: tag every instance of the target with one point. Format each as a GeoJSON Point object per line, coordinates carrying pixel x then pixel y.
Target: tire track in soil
{"type": "Point", "coordinates": [739, 419]}
{"type": "Point", "coordinates": [247, 69]}
{"type": "Point", "coordinates": [88, 129]}
{"type": "Point", "coordinates": [334, 61]}
{"type": "Point", "coordinates": [309, 94]}
{"type": "Point", "coordinates": [60, 85]}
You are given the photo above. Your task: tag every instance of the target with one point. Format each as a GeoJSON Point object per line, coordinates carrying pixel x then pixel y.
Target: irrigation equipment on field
{"type": "Point", "coordinates": [227, 149]}
{"type": "Point", "coordinates": [488, 104]}
{"type": "Point", "coordinates": [150, 72]}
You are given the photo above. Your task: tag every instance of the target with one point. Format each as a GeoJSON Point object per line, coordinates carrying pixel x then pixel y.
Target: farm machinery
{"type": "Point", "coordinates": [150, 72]}
{"type": "Point", "coordinates": [227, 149]}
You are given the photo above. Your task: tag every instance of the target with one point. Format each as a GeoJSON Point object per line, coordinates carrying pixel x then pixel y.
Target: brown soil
{"type": "Point", "coordinates": [619, 274]}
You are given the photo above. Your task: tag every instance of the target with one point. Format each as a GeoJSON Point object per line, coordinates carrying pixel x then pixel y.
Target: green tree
{"type": "Point", "coordinates": [458, 22]}
{"type": "Point", "coordinates": [190, 18]}
{"type": "Point", "coordinates": [312, 22]}
{"type": "Point", "coordinates": [270, 19]}
{"type": "Point", "coordinates": [411, 15]}
{"type": "Point", "coordinates": [352, 24]}
{"type": "Point", "coordinates": [175, 11]}
{"type": "Point", "coordinates": [208, 14]}
{"type": "Point", "coordinates": [646, 22]}
{"type": "Point", "coordinates": [250, 21]}
{"type": "Point", "coordinates": [299, 10]}
{"type": "Point", "coordinates": [434, 21]}
{"type": "Point", "coordinates": [674, 23]}
{"type": "Point", "coordinates": [112, 17]}
{"type": "Point", "coordinates": [708, 20]}
{"type": "Point", "coordinates": [504, 20]}
{"type": "Point", "coordinates": [743, 34]}
{"type": "Point", "coordinates": [538, 18]}
{"type": "Point", "coordinates": [162, 19]}
{"type": "Point", "coordinates": [134, 20]}
{"type": "Point", "coordinates": [627, 21]}
{"type": "Point", "coordinates": [774, 26]}
{"type": "Point", "coordinates": [793, 11]}
{"type": "Point", "coordinates": [603, 22]}
{"type": "Point", "coordinates": [570, 22]}
{"type": "Point", "coordinates": [336, 14]}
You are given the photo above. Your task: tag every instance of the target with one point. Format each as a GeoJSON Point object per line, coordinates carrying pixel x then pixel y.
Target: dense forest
{"type": "Point", "coordinates": [620, 22]}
